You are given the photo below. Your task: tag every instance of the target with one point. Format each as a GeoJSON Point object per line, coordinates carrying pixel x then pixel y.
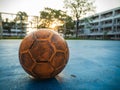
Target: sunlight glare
{"type": "Point", "coordinates": [56, 23]}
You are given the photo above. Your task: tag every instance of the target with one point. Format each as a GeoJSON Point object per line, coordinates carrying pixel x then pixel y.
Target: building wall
{"type": "Point", "coordinates": [102, 25]}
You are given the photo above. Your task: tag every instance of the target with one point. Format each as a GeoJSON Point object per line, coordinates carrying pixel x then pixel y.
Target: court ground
{"type": "Point", "coordinates": [93, 65]}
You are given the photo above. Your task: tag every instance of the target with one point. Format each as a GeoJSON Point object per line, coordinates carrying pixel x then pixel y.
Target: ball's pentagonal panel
{"type": "Point", "coordinates": [41, 50]}
{"type": "Point", "coordinates": [43, 54]}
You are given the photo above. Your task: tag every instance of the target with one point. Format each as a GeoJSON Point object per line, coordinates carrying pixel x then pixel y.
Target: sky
{"type": "Point", "coordinates": [33, 7]}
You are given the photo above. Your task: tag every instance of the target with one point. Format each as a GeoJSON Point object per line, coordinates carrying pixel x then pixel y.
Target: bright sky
{"type": "Point", "coordinates": [32, 7]}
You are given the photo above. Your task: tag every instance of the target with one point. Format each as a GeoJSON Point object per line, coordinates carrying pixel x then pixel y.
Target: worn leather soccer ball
{"type": "Point", "coordinates": [43, 54]}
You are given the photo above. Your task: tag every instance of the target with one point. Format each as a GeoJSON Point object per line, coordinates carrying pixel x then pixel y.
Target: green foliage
{"type": "Point", "coordinates": [69, 23]}
{"type": "Point", "coordinates": [48, 15]}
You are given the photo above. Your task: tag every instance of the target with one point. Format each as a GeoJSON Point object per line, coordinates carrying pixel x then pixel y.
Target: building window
{"type": "Point", "coordinates": [117, 12]}
{"type": "Point", "coordinates": [95, 17]}
{"type": "Point", "coordinates": [117, 21]}
{"type": "Point", "coordinates": [107, 22]}
{"type": "Point", "coordinates": [106, 15]}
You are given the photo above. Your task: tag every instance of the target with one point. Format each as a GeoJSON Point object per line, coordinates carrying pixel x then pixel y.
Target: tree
{"type": "Point", "coordinates": [69, 23]}
{"type": "Point", "coordinates": [49, 15]}
{"type": "Point", "coordinates": [21, 17]}
{"type": "Point", "coordinates": [78, 9]}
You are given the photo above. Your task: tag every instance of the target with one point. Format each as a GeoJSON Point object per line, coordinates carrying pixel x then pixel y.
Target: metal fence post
{"type": "Point", "coordinates": [1, 28]}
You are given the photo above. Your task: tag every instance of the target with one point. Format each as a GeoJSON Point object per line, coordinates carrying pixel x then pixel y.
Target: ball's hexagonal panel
{"type": "Point", "coordinates": [58, 60]}
{"type": "Point", "coordinates": [41, 51]}
{"type": "Point", "coordinates": [27, 43]}
{"type": "Point", "coordinates": [43, 70]}
{"type": "Point", "coordinates": [58, 42]}
{"type": "Point", "coordinates": [26, 60]}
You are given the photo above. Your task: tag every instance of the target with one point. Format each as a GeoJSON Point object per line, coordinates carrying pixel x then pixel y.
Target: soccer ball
{"type": "Point", "coordinates": [43, 54]}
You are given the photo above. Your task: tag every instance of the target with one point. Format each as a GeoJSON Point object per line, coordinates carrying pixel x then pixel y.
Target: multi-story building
{"type": "Point", "coordinates": [105, 25]}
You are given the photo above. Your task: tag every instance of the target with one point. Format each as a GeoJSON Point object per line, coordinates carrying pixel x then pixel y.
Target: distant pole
{"type": "Point", "coordinates": [77, 25]}
{"type": "Point", "coordinates": [64, 31]}
{"type": "Point", "coordinates": [64, 27]}
{"type": "Point", "coordinates": [16, 27]}
{"type": "Point", "coordinates": [1, 28]}
{"type": "Point", "coordinates": [37, 22]}
{"type": "Point", "coordinates": [21, 24]}
{"type": "Point", "coordinates": [116, 29]}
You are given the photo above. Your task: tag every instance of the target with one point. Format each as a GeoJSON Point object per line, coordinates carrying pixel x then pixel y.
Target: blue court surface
{"type": "Point", "coordinates": [93, 65]}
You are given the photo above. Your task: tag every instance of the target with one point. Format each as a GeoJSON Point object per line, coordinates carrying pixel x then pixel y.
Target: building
{"type": "Point", "coordinates": [104, 25]}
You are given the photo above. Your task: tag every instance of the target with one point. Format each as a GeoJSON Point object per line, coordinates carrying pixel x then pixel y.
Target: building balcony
{"type": "Point", "coordinates": [102, 33]}
{"type": "Point", "coordinates": [117, 16]}
{"type": "Point", "coordinates": [116, 24]}
{"type": "Point", "coordinates": [96, 20]}
{"type": "Point", "coordinates": [107, 25]}
{"type": "Point", "coordinates": [107, 18]}
{"type": "Point", "coordinates": [95, 27]}
{"type": "Point", "coordinates": [96, 33]}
